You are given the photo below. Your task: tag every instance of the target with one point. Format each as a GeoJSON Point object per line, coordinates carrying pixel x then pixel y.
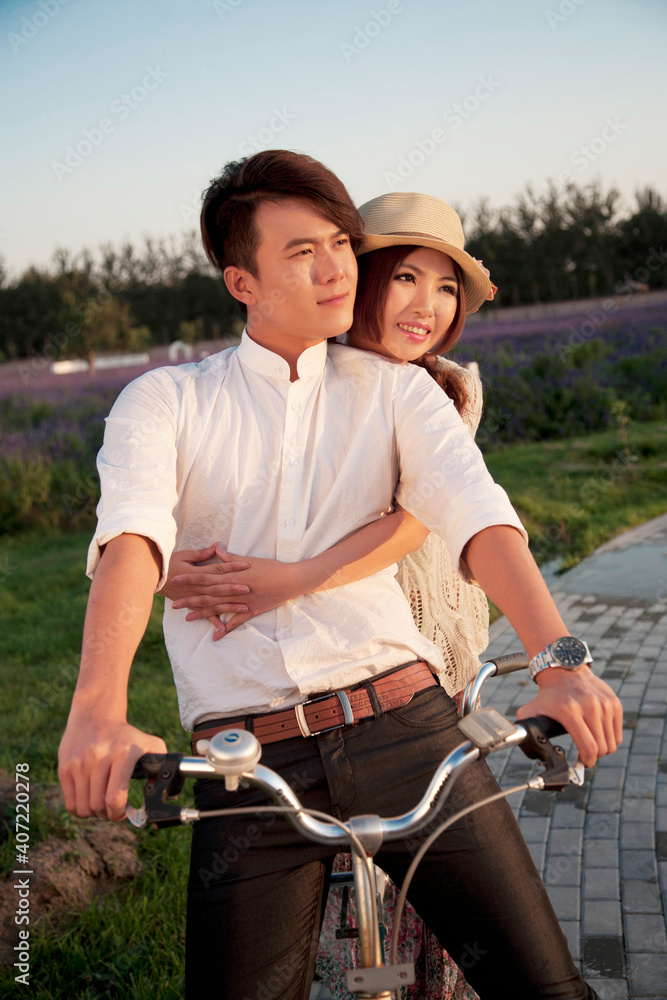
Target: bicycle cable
{"type": "Point", "coordinates": [316, 814]}
{"type": "Point", "coordinates": [402, 896]}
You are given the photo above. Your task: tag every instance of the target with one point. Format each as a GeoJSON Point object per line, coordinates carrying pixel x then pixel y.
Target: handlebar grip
{"type": "Point", "coordinates": [547, 727]}
{"type": "Point", "coordinates": [148, 765]}
{"type": "Point", "coordinates": [509, 663]}
{"type": "Point", "coordinates": [536, 746]}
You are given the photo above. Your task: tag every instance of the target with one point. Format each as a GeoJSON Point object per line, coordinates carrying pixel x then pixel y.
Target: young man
{"type": "Point", "coordinates": [280, 448]}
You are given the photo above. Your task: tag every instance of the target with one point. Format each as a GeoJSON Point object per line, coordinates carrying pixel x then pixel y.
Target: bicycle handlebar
{"type": "Point", "coordinates": [495, 666]}
{"type": "Point", "coordinates": [509, 663]}
{"type": "Point", "coordinates": [234, 755]}
{"type": "Point", "coordinates": [146, 766]}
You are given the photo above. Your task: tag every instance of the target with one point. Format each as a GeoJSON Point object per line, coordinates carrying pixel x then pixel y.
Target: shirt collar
{"type": "Point", "coordinates": [265, 362]}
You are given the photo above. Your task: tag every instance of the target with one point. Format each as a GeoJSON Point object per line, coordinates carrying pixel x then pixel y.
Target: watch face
{"type": "Point", "coordinates": [569, 651]}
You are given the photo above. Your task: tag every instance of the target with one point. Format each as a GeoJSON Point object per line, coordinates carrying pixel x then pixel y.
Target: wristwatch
{"type": "Point", "coordinates": [567, 652]}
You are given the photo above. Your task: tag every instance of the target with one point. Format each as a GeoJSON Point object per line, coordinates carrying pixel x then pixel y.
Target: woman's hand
{"type": "Point", "coordinates": [262, 585]}
{"type": "Point", "coordinates": [184, 563]}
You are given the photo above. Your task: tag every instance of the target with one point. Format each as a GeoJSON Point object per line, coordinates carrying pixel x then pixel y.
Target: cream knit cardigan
{"type": "Point", "coordinates": [451, 613]}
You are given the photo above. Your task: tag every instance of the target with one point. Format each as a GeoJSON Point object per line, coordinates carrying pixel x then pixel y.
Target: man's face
{"type": "Point", "coordinates": [306, 278]}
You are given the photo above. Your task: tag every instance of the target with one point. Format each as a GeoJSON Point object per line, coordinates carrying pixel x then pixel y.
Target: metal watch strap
{"type": "Point", "coordinates": [544, 660]}
{"type": "Point", "coordinates": [541, 661]}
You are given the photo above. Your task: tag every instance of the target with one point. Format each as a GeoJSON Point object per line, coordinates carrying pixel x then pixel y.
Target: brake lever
{"type": "Point", "coordinates": [558, 773]}
{"type": "Point", "coordinates": [137, 817]}
{"type": "Point", "coordinates": [163, 783]}
{"type": "Point", "coordinates": [489, 730]}
{"type": "Point", "coordinates": [577, 772]}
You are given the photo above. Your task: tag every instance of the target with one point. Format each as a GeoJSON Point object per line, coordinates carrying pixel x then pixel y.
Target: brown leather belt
{"type": "Point", "coordinates": [390, 690]}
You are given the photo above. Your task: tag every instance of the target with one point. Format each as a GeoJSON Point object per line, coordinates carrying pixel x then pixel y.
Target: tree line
{"type": "Point", "coordinates": [570, 242]}
{"type": "Point", "coordinates": [561, 243]}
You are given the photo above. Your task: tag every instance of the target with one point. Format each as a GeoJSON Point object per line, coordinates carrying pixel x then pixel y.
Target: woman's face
{"type": "Point", "coordinates": [421, 304]}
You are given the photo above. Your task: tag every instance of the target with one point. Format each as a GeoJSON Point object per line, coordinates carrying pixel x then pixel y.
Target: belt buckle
{"type": "Point", "coordinates": [348, 719]}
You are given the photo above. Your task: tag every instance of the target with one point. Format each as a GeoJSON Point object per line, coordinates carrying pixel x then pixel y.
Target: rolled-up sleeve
{"type": "Point", "coordinates": [137, 468]}
{"type": "Point", "coordinates": [443, 479]}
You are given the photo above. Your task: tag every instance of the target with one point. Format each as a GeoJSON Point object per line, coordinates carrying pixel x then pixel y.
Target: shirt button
{"type": "Point", "coordinates": [294, 461]}
{"type": "Point", "coordinates": [295, 406]}
{"type": "Point", "coordinates": [278, 369]}
{"type": "Point", "coordinates": [289, 522]}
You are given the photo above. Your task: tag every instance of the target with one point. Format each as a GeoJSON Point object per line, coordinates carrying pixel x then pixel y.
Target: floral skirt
{"type": "Point", "coordinates": [437, 976]}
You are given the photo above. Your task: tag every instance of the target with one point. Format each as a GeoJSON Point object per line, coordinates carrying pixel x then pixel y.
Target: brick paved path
{"type": "Point", "coordinates": [602, 849]}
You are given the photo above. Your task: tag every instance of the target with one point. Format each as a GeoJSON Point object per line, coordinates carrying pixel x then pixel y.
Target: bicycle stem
{"type": "Point", "coordinates": [367, 915]}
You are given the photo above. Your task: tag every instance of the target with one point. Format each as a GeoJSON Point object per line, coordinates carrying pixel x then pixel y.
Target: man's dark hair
{"type": "Point", "coordinates": [228, 212]}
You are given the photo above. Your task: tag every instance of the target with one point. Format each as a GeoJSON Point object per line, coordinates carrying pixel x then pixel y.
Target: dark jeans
{"type": "Point", "coordinates": [257, 887]}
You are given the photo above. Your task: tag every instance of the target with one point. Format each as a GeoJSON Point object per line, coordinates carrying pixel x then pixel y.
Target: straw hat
{"type": "Point", "coordinates": [421, 220]}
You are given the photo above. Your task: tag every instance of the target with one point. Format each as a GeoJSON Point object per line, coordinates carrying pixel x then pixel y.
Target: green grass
{"type": "Point", "coordinates": [128, 944]}
{"type": "Point", "coordinates": [573, 495]}
{"type": "Point", "coordinates": [43, 593]}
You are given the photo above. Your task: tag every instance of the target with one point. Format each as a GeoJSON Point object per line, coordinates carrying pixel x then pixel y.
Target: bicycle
{"type": "Point", "coordinates": [234, 756]}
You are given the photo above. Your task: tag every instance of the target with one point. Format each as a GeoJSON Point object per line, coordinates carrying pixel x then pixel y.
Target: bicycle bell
{"type": "Point", "coordinates": [232, 752]}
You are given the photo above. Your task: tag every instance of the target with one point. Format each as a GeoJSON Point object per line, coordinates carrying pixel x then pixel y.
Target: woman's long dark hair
{"type": "Point", "coordinates": [376, 270]}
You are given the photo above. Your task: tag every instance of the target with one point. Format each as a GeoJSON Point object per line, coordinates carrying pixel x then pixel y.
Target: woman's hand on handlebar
{"type": "Point", "coordinates": [585, 705]}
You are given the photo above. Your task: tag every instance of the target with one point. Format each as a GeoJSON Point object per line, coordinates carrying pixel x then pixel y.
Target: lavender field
{"type": "Point", "coordinates": [548, 378]}
{"type": "Point", "coordinates": [51, 429]}
{"type": "Point", "coordinates": [560, 376]}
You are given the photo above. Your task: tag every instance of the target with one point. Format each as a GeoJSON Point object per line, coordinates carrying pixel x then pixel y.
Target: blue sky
{"type": "Point", "coordinates": [115, 115]}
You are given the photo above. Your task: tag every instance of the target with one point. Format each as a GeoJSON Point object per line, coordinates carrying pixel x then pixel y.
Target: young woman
{"type": "Point", "coordinates": [413, 296]}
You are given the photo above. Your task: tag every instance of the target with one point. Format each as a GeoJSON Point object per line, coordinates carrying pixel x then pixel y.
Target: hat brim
{"type": "Point", "coordinates": [476, 284]}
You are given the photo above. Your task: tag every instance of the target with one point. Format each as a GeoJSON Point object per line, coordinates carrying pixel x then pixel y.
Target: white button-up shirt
{"type": "Point", "coordinates": [230, 450]}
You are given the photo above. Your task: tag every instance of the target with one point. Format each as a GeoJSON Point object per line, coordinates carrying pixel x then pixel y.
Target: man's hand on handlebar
{"type": "Point", "coordinates": [585, 705]}
{"type": "Point", "coordinates": [95, 762]}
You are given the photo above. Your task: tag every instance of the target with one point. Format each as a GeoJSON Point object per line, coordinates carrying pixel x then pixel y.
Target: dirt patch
{"type": "Point", "coordinates": [66, 874]}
